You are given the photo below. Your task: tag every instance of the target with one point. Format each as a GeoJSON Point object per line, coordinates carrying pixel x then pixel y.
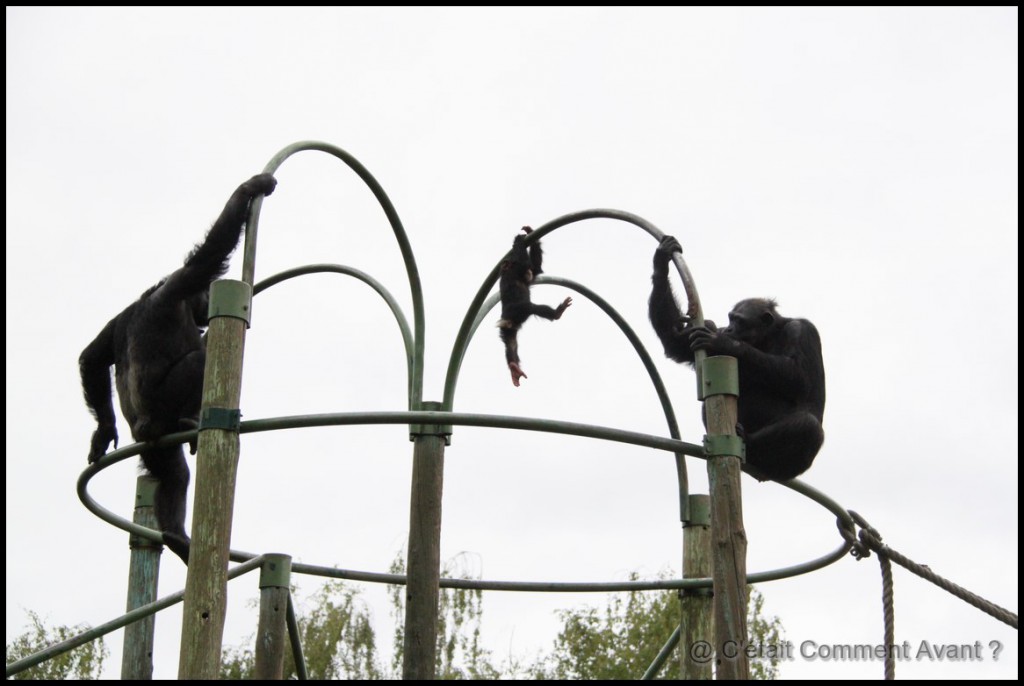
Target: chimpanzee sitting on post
{"type": "Point", "coordinates": [782, 376]}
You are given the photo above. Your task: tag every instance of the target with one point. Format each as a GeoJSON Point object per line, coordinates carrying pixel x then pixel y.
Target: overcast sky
{"type": "Point", "coordinates": [859, 165]}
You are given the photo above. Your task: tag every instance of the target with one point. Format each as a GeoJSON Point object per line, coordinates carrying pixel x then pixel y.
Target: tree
{"type": "Point", "coordinates": [84, 662]}
{"type": "Point", "coordinates": [620, 640]}
{"type": "Point", "coordinates": [617, 641]}
{"type": "Point", "coordinates": [459, 654]}
{"type": "Point", "coordinates": [338, 640]}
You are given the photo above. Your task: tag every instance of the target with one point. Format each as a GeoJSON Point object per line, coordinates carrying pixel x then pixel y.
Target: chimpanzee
{"type": "Point", "coordinates": [782, 377]}
{"type": "Point", "coordinates": [158, 351]}
{"type": "Point", "coordinates": [518, 271]}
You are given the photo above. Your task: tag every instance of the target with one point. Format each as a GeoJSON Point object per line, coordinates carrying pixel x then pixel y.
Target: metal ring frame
{"type": "Point", "coordinates": [413, 338]}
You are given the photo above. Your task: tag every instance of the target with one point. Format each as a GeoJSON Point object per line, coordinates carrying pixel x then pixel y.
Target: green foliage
{"type": "Point", "coordinates": [459, 653]}
{"type": "Point", "coordinates": [763, 631]}
{"type": "Point", "coordinates": [622, 639]}
{"type": "Point", "coordinates": [84, 662]}
{"type": "Point", "coordinates": [338, 640]}
{"type": "Point", "coordinates": [618, 640]}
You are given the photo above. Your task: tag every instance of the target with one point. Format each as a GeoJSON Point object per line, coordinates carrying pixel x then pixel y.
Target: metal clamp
{"type": "Point", "coordinates": [230, 298]}
{"type": "Point", "coordinates": [220, 418]}
{"type": "Point", "coordinates": [725, 444]}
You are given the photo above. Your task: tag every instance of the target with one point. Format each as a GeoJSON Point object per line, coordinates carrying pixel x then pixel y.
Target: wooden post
{"type": "Point", "coordinates": [272, 635]}
{"type": "Point", "coordinates": [696, 625]}
{"type": "Point", "coordinates": [143, 577]}
{"type": "Point", "coordinates": [729, 539]}
{"type": "Point", "coordinates": [422, 587]}
{"type": "Point", "coordinates": [206, 587]}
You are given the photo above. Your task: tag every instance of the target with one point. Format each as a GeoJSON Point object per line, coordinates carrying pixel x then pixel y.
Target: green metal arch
{"type": "Point", "coordinates": [641, 351]}
{"type": "Point", "coordinates": [396, 309]}
{"type": "Point", "coordinates": [473, 312]}
{"type": "Point", "coordinates": [252, 226]}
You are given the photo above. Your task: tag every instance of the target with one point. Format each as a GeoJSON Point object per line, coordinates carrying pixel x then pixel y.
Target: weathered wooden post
{"type": "Point", "coordinates": [725, 449]}
{"type": "Point", "coordinates": [696, 614]}
{"type": "Point", "coordinates": [143, 578]}
{"type": "Point", "coordinates": [272, 634]}
{"type": "Point", "coordinates": [206, 587]}
{"type": "Point", "coordinates": [423, 579]}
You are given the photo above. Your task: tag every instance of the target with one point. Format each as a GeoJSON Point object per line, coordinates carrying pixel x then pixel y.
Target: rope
{"type": "Point", "coordinates": [869, 540]}
{"type": "Point", "coordinates": [860, 549]}
{"type": "Point", "coordinates": [889, 617]}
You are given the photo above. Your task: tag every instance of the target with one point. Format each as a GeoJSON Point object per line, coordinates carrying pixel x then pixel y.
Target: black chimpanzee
{"type": "Point", "coordinates": [159, 354]}
{"type": "Point", "coordinates": [782, 377]}
{"type": "Point", "coordinates": [518, 271]}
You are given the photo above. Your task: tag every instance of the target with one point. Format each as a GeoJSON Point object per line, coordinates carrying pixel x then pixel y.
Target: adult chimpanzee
{"type": "Point", "coordinates": [782, 377]}
{"type": "Point", "coordinates": [159, 354]}
{"type": "Point", "coordinates": [518, 271]}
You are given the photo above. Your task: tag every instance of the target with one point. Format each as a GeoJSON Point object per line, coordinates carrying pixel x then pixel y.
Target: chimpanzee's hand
{"type": "Point", "coordinates": [684, 326]}
{"type": "Point", "coordinates": [666, 247]}
{"type": "Point", "coordinates": [711, 342]}
{"type": "Point", "coordinates": [101, 438]}
{"type": "Point", "coordinates": [527, 230]}
{"type": "Point", "coordinates": [261, 184]}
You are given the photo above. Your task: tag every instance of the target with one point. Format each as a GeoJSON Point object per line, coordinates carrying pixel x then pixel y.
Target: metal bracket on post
{"type": "Point", "coordinates": [220, 418]}
{"type": "Point", "coordinates": [720, 376]}
{"type": "Point", "coordinates": [444, 430]}
{"type": "Point", "coordinates": [700, 511]}
{"type": "Point", "coordinates": [276, 571]}
{"type": "Point", "coordinates": [716, 446]}
{"type": "Point", "coordinates": [230, 298]}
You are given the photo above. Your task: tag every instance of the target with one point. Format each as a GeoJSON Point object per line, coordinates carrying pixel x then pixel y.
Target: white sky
{"type": "Point", "coordinates": [860, 165]}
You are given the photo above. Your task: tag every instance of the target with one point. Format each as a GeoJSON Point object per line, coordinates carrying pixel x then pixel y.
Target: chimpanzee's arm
{"type": "Point", "coordinates": [793, 369]}
{"type": "Point", "coordinates": [536, 258]}
{"type": "Point", "coordinates": [548, 312]}
{"type": "Point", "coordinates": [208, 261]}
{"type": "Point", "coordinates": [94, 365]}
{"type": "Point", "coordinates": [662, 307]}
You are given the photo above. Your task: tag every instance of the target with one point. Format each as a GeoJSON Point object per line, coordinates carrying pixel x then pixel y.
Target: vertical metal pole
{"type": "Point", "coordinates": [295, 638]}
{"type": "Point", "coordinates": [729, 539]}
{"type": "Point", "coordinates": [271, 637]}
{"type": "Point", "coordinates": [695, 605]}
{"type": "Point", "coordinates": [424, 562]}
{"type": "Point", "coordinates": [143, 577]}
{"type": "Point", "coordinates": [206, 588]}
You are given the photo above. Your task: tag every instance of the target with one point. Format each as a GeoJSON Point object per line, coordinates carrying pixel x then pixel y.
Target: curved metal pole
{"type": "Point", "coordinates": [470, 419]}
{"type": "Point", "coordinates": [469, 321]}
{"type": "Point", "coordinates": [641, 351]}
{"type": "Point", "coordinates": [124, 620]}
{"type": "Point", "coordinates": [572, 586]}
{"type": "Point", "coordinates": [251, 230]}
{"type": "Point", "coordinates": [396, 309]}
{"type": "Point", "coordinates": [477, 310]}
{"type": "Point", "coordinates": [350, 418]}
{"type": "Point", "coordinates": [494, 421]}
